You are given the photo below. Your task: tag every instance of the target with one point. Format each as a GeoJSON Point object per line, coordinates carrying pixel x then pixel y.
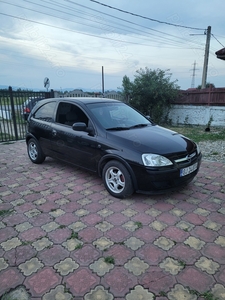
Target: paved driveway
{"type": "Point", "coordinates": [62, 236]}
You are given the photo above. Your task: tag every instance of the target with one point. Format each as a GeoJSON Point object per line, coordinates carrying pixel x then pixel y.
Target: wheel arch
{"type": "Point", "coordinates": [108, 157]}
{"type": "Point", "coordinates": [30, 136]}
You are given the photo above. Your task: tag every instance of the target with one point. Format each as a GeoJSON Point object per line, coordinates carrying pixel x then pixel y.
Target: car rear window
{"type": "Point", "coordinates": [45, 112]}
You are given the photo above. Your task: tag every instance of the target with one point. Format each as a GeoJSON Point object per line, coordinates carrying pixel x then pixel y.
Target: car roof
{"type": "Point", "coordinates": [84, 100]}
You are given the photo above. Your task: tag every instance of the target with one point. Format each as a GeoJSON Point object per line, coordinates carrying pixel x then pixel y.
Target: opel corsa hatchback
{"type": "Point", "coordinates": [129, 152]}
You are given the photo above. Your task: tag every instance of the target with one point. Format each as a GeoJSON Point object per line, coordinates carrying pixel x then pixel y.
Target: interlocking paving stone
{"type": "Point", "coordinates": [118, 234]}
{"type": "Point", "coordinates": [42, 281]}
{"type": "Point", "coordinates": [86, 255]}
{"type": "Point", "coordinates": [60, 235]}
{"type": "Point", "coordinates": [81, 281]}
{"type": "Point", "coordinates": [53, 255]}
{"type": "Point", "coordinates": [151, 254]}
{"type": "Point", "coordinates": [188, 278]}
{"type": "Point", "coordinates": [216, 252]}
{"type": "Point", "coordinates": [140, 293]}
{"type": "Point", "coordinates": [14, 219]}
{"type": "Point", "coordinates": [66, 266]}
{"type": "Point", "coordinates": [32, 234]}
{"type": "Point", "coordinates": [30, 266]}
{"type": "Point", "coordinates": [90, 234]}
{"type": "Point", "coordinates": [180, 292]}
{"type": "Point", "coordinates": [72, 244]}
{"type": "Point", "coordinates": [136, 266]}
{"type": "Point", "coordinates": [7, 233]}
{"type": "Point", "coordinates": [101, 267]}
{"type": "Point", "coordinates": [119, 281]}
{"type": "Point", "coordinates": [146, 234]}
{"type": "Point", "coordinates": [184, 253]}
{"type": "Point", "coordinates": [175, 234]}
{"type": "Point", "coordinates": [20, 254]}
{"type": "Point", "coordinates": [171, 265]}
{"type": "Point", "coordinates": [120, 253]}
{"type": "Point", "coordinates": [61, 225]}
{"type": "Point", "coordinates": [3, 264]}
{"type": "Point", "coordinates": [58, 293]}
{"type": "Point", "coordinates": [134, 243]}
{"type": "Point", "coordinates": [10, 278]}
{"type": "Point", "coordinates": [10, 244]}
{"type": "Point", "coordinates": [156, 280]}
{"type": "Point", "coordinates": [99, 293]}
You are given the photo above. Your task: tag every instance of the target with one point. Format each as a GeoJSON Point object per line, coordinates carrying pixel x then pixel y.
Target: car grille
{"type": "Point", "coordinates": [187, 158]}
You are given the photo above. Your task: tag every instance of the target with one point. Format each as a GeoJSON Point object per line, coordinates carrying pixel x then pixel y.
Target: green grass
{"type": "Point", "coordinates": [138, 224]}
{"type": "Point", "coordinates": [109, 260]}
{"type": "Point", "coordinates": [4, 212]}
{"type": "Point", "coordinates": [198, 133]}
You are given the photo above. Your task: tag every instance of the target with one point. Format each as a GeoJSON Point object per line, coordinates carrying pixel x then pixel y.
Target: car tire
{"type": "Point", "coordinates": [117, 179]}
{"type": "Point", "coordinates": [34, 152]}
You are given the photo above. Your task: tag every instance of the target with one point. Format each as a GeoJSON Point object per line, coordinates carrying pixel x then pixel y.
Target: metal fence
{"type": "Point", "coordinates": [12, 122]}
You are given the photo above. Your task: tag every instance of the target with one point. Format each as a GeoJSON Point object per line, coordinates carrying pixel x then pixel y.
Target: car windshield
{"type": "Point", "coordinates": [117, 116]}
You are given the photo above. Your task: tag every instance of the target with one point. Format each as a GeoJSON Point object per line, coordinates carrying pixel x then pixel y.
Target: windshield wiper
{"type": "Point", "coordinates": [127, 128]}
{"type": "Point", "coordinates": [118, 128]}
{"type": "Point", "coordinates": [138, 126]}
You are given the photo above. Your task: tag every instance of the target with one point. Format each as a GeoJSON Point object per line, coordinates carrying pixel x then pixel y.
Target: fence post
{"type": "Point", "coordinates": [13, 112]}
{"type": "Point", "coordinates": [209, 95]}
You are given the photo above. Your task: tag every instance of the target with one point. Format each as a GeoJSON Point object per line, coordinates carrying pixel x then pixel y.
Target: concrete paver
{"type": "Point", "coordinates": [62, 236]}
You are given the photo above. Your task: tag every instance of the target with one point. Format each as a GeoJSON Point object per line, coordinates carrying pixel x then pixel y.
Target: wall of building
{"type": "Point", "coordinates": [197, 115]}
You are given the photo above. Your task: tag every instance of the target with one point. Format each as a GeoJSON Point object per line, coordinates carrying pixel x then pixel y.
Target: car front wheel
{"type": "Point", "coordinates": [34, 152]}
{"type": "Point", "coordinates": [117, 179]}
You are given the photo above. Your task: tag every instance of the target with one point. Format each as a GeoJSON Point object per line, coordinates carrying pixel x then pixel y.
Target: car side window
{"type": "Point", "coordinates": [45, 112]}
{"type": "Point", "coordinates": [68, 114]}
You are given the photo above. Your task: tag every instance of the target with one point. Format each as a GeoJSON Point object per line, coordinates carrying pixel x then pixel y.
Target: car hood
{"type": "Point", "coordinates": [152, 139]}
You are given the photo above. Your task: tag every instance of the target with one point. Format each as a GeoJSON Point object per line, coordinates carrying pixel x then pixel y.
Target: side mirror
{"type": "Point", "coordinates": [79, 126]}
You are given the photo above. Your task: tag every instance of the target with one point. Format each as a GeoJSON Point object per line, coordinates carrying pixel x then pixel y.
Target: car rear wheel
{"type": "Point", "coordinates": [34, 152]}
{"type": "Point", "coordinates": [117, 179]}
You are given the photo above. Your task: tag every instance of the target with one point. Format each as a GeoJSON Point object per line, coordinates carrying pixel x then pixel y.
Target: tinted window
{"type": "Point", "coordinates": [116, 114]}
{"type": "Point", "coordinates": [68, 114]}
{"type": "Point", "coordinates": [45, 112]}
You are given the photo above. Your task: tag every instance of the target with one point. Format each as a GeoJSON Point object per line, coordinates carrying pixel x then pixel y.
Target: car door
{"type": "Point", "coordinates": [74, 146]}
{"type": "Point", "coordinates": [40, 125]}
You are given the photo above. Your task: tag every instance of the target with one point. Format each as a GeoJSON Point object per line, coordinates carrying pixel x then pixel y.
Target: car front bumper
{"type": "Point", "coordinates": [161, 180]}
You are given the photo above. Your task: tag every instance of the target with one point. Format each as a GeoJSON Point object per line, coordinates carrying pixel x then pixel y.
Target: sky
{"type": "Point", "coordinates": [75, 42]}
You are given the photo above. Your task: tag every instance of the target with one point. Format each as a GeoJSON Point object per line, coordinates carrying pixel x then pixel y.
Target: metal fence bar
{"type": "Point", "coordinates": [13, 113]}
{"type": "Point", "coordinates": [12, 122]}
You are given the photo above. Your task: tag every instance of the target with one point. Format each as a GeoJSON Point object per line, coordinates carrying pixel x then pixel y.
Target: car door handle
{"type": "Point", "coordinates": [54, 132]}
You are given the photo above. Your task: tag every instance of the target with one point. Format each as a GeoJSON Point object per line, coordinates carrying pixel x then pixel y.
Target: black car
{"type": "Point", "coordinates": [111, 138]}
{"type": "Point", "coordinates": [28, 105]}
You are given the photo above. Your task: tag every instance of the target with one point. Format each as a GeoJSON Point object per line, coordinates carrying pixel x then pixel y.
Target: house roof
{"type": "Point", "coordinates": [220, 53]}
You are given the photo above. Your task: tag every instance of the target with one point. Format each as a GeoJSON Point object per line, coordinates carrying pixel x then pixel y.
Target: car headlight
{"type": "Point", "coordinates": [155, 160]}
{"type": "Point", "coordinates": [198, 150]}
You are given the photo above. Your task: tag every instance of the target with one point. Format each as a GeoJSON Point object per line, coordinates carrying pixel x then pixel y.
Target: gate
{"type": "Point", "coordinates": [12, 121]}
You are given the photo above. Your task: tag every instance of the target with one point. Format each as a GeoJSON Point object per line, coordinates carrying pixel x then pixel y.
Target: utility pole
{"type": "Point", "coordinates": [206, 59]}
{"type": "Point", "coordinates": [103, 88]}
{"type": "Point", "coordinates": [193, 76]}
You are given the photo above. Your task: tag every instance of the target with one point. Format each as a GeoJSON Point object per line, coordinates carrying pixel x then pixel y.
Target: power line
{"type": "Point", "coordinates": [170, 42]}
{"type": "Point", "coordinates": [217, 40]}
{"type": "Point", "coordinates": [77, 31]}
{"type": "Point", "coordinates": [143, 17]}
{"type": "Point", "coordinates": [123, 20]}
{"type": "Point", "coordinates": [83, 18]}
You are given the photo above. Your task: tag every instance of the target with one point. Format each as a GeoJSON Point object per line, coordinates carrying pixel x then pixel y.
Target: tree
{"type": "Point", "coordinates": [208, 84]}
{"type": "Point", "coordinates": [152, 92]}
{"type": "Point", "coordinates": [127, 88]}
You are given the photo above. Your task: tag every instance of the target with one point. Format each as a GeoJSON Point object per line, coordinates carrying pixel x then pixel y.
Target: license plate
{"type": "Point", "coordinates": [188, 170]}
